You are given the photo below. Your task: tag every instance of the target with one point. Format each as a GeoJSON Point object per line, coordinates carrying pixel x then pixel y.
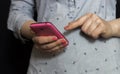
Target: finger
{"type": "Point", "coordinates": [86, 25]}
{"type": "Point", "coordinates": [93, 26]}
{"type": "Point", "coordinates": [36, 46]}
{"type": "Point", "coordinates": [96, 33]}
{"type": "Point", "coordinates": [56, 49]}
{"type": "Point", "coordinates": [54, 44]}
{"type": "Point", "coordinates": [44, 39]}
{"type": "Point", "coordinates": [78, 22]}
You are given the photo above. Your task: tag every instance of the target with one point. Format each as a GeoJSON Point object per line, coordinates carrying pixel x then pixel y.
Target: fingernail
{"type": "Point", "coordinates": [54, 38]}
{"type": "Point", "coordinates": [64, 43]}
{"type": "Point", "coordinates": [66, 27]}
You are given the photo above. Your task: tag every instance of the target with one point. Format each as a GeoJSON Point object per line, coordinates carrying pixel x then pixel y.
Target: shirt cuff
{"type": "Point", "coordinates": [15, 23]}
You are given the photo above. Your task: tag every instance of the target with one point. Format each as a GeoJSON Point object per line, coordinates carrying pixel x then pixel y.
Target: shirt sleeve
{"type": "Point", "coordinates": [20, 12]}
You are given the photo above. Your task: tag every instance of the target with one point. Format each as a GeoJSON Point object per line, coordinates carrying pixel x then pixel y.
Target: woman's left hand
{"type": "Point", "coordinates": [92, 25]}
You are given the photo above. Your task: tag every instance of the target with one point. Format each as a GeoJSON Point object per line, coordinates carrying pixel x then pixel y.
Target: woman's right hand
{"type": "Point", "coordinates": [49, 43]}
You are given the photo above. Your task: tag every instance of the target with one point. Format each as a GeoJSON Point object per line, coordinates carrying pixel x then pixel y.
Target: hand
{"type": "Point", "coordinates": [49, 43]}
{"type": "Point", "coordinates": [92, 25]}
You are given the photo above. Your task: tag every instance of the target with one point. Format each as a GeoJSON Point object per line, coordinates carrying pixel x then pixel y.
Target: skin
{"type": "Point", "coordinates": [45, 43]}
{"type": "Point", "coordinates": [91, 24]}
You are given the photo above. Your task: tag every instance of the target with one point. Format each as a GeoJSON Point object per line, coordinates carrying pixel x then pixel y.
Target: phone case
{"type": "Point", "coordinates": [46, 29]}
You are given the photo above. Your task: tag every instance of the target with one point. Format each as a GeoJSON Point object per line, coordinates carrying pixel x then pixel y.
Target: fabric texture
{"type": "Point", "coordinates": [83, 55]}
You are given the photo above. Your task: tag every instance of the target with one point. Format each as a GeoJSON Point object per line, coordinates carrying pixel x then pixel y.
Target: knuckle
{"type": "Point", "coordinates": [89, 33]}
{"type": "Point", "coordinates": [95, 35]}
{"type": "Point", "coordinates": [83, 29]}
{"type": "Point", "coordinates": [53, 50]}
{"type": "Point", "coordinates": [39, 41]}
{"type": "Point", "coordinates": [34, 39]}
{"type": "Point", "coordinates": [45, 47]}
{"type": "Point", "coordinates": [58, 42]}
{"type": "Point", "coordinates": [57, 48]}
{"type": "Point", "coordinates": [98, 20]}
{"type": "Point", "coordinates": [90, 14]}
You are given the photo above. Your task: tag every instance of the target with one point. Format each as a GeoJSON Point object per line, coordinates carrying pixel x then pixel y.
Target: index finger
{"type": "Point", "coordinates": [77, 23]}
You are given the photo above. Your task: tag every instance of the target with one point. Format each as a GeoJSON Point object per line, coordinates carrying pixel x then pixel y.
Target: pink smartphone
{"type": "Point", "coordinates": [46, 29]}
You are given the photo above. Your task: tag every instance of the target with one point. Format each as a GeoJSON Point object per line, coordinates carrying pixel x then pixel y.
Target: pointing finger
{"type": "Point", "coordinates": [78, 23]}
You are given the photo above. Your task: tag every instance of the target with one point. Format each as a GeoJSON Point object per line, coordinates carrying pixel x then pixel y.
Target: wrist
{"type": "Point", "coordinates": [26, 31]}
{"type": "Point", "coordinates": [115, 28]}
